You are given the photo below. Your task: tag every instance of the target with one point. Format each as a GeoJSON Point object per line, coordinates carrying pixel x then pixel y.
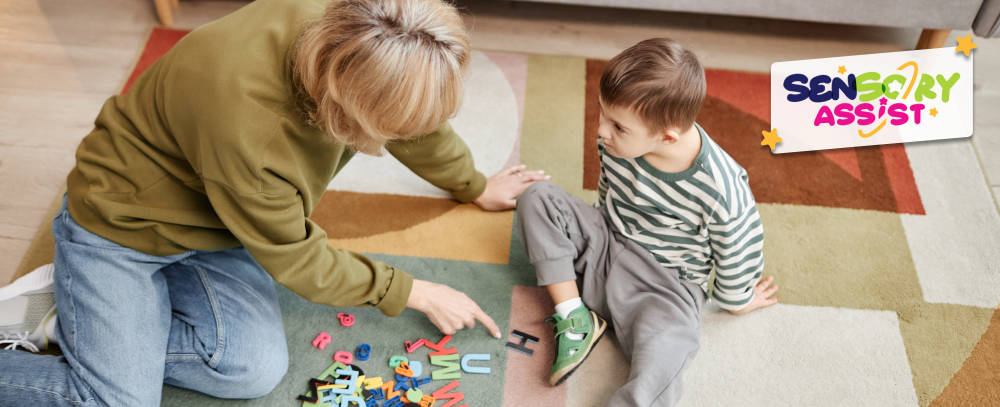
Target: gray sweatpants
{"type": "Point", "coordinates": [655, 313]}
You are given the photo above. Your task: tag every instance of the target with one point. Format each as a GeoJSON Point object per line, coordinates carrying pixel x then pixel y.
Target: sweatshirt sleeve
{"type": "Point", "coordinates": [737, 250]}
{"type": "Point", "coordinates": [294, 251]}
{"type": "Point", "coordinates": [444, 160]}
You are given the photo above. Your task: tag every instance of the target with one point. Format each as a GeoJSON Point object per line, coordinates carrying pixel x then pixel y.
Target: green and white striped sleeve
{"type": "Point", "coordinates": [737, 250]}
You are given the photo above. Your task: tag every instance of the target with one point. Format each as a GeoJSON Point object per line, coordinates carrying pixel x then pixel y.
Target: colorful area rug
{"type": "Point", "coordinates": [888, 258]}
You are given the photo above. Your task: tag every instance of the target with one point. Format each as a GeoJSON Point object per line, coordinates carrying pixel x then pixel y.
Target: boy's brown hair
{"type": "Point", "coordinates": [659, 81]}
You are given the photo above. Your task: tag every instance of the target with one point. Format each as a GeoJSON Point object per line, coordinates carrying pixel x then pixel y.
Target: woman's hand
{"type": "Point", "coordinates": [447, 308]}
{"type": "Point", "coordinates": [761, 292]}
{"type": "Point", "coordinates": [503, 189]}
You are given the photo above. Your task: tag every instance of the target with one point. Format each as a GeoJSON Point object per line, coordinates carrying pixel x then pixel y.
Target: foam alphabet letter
{"type": "Point", "coordinates": [439, 347]}
{"type": "Point", "coordinates": [330, 371]}
{"type": "Point", "coordinates": [321, 340]}
{"type": "Point", "coordinates": [442, 394]}
{"type": "Point", "coordinates": [345, 401]}
{"type": "Point", "coordinates": [450, 370]}
{"type": "Point", "coordinates": [475, 369]}
{"type": "Point", "coordinates": [420, 382]}
{"type": "Point", "coordinates": [343, 357]}
{"type": "Point", "coordinates": [373, 383]}
{"type": "Point", "coordinates": [387, 389]}
{"type": "Point", "coordinates": [427, 401]}
{"type": "Point", "coordinates": [416, 367]}
{"type": "Point", "coordinates": [394, 402]}
{"type": "Point", "coordinates": [401, 383]}
{"type": "Point", "coordinates": [313, 395]}
{"type": "Point", "coordinates": [396, 360]}
{"type": "Point", "coordinates": [525, 338]}
{"type": "Point", "coordinates": [414, 395]}
{"type": "Point", "coordinates": [404, 370]}
{"type": "Point", "coordinates": [351, 382]}
{"type": "Point", "coordinates": [364, 352]}
{"type": "Point", "coordinates": [410, 347]}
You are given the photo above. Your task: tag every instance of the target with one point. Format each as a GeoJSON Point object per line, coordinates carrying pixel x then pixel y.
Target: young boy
{"type": "Point", "coordinates": [672, 205]}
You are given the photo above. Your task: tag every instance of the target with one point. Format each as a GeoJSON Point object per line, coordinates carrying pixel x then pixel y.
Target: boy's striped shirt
{"type": "Point", "coordinates": [690, 220]}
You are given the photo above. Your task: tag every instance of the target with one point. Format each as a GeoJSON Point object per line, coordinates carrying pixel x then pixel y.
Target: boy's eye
{"type": "Point", "coordinates": [619, 128]}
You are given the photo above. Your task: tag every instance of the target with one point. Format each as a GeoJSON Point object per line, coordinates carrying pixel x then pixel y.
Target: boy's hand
{"type": "Point", "coordinates": [760, 294]}
{"type": "Point", "coordinates": [447, 308]}
{"type": "Point", "coordinates": [503, 188]}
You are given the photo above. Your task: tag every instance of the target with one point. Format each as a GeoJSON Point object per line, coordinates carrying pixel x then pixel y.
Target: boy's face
{"type": "Point", "coordinates": [624, 135]}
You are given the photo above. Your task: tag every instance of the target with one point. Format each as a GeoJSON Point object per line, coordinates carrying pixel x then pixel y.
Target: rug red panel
{"type": "Point", "coordinates": [160, 41]}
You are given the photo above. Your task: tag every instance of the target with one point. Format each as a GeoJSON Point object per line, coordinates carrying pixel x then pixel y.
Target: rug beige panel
{"type": "Point", "coordinates": [551, 138]}
{"type": "Point", "coordinates": [861, 259]}
{"type": "Point", "coordinates": [956, 247]}
{"type": "Point", "coordinates": [933, 365]}
{"type": "Point", "coordinates": [789, 355]}
{"type": "Point", "coordinates": [785, 355]}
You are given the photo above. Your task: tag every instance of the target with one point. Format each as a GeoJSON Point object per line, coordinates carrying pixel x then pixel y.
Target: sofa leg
{"type": "Point", "coordinates": [932, 38]}
{"type": "Point", "coordinates": [165, 9]}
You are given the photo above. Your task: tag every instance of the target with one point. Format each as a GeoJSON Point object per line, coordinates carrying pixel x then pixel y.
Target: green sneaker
{"type": "Point", "coordinates": [580, 321]}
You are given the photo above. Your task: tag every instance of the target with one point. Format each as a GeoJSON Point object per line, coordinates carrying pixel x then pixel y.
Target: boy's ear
{"type": "Point", "coordinates": [669, 136]}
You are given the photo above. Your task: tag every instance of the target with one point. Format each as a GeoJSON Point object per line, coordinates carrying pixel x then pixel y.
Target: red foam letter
{"type": "Point", "coordinates": [439, 347]}
{"type": "Point", "coordinates": [442, 393]}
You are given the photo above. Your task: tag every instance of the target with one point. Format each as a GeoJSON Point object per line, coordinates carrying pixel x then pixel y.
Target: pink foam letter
{"type": "Point", "coordinates": [321, 340]}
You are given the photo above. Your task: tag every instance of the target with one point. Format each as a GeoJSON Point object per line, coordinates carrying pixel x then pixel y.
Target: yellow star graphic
{"type": "Point", "coordinates": [934, 112]}
{"type": "Point", "coordinates": [842, 70]}
{"type": "Point", "coordinates": [770, 138]}
{"type": "Point", "coordinates": [965, 44]}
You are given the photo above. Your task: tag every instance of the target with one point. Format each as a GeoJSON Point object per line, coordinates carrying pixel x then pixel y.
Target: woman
{"type": "Point", "coordinates": [194, 191]}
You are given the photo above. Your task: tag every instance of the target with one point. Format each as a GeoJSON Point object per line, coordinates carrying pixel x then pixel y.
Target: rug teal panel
{"type": "Point", "coordinates": [490, 285]}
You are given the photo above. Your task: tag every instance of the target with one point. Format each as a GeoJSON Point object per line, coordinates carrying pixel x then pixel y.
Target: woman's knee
{"type": "Point", "coordinates": [253, 376]}
{"type": "Point", "coordinates": [267, 377]}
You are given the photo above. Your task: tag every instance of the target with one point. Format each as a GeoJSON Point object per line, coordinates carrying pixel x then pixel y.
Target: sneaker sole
{"type": "Point", "coordinates": [565, 372]}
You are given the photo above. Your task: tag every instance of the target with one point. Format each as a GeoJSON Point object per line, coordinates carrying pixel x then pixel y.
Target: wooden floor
{"type": "Point", "coordinates": [60, 59]}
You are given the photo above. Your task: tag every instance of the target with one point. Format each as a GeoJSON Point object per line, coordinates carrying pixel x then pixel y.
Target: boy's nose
{"type": "Point", "coordinates": [602, 131]}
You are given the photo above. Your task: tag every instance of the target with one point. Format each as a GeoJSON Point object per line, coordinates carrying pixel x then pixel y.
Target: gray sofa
{"type": "Point", "coordinates": [937, 18]}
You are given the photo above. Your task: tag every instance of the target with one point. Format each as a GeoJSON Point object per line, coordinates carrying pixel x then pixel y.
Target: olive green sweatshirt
{"type": "Point", "coordinates": [210, 151]}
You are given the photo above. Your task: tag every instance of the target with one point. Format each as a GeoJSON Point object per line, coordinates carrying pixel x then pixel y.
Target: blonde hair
{"type": "Point", "coordinates": [380, 70]}
{"type": "Point", "coordinates": [659, 81]}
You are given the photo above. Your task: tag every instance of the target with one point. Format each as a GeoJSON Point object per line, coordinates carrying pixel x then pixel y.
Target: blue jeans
{"type": "Point", "coordinates": [129, 322]}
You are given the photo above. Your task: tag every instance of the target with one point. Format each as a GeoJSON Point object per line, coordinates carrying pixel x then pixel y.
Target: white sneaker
{"type": "Point", "coordinates": [28, 311]}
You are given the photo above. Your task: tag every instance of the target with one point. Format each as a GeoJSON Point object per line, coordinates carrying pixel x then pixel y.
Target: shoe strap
{"type": "Point", "coordinates": [568, 324]}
